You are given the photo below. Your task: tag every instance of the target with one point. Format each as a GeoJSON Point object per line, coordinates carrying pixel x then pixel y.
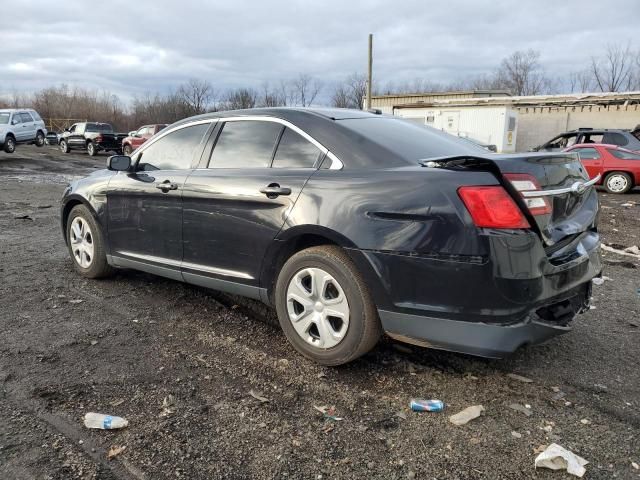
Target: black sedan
{"type": "Point", "coordinates": [351, 224]}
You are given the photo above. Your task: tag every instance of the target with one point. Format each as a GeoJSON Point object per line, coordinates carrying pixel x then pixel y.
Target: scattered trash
{"type": "Point", "coordinates": [104, 422]}
{"type": "Point", "coordinates": [168, 406]}
{"type": "Point", "coordinates": [114, 451]}
{"type": "Point", "coordinates": [466, 415]}
{"type": "Point", "coordinates": [516, 435]}
{"type": "Point", "coordinates": [540, 449]}
{"type": "Point", "coordinates": [329, 413]}
{"type": "Point", "coordinates": [401, 415]}
{"type": "Point", "coordinates": [635, 465]}
{"type": "Point", "coordinates": [520, 378]}
{"type": "Point", "coordinates": [519, 408]}
{"type": "Point", "coordinates": [597, 280]}
{"type": "Point", "coordinates": [42, 207]}
{"type": "Point", "coordinates": [627, 205]}
{"type": "Point", "coordinates": [634, 250]}
{"type": "Point", "coordinates": [115, 403]}
{"type": "Point", "coordinates": [558, 396]}
{"type": "Point", "coordinates": [629, 252]}
{"type": "Point", "coordinates": [94, 342]}
{"type": "Point", "coordinates": [556, 457]}
{"type": "Point", "coordinates": [602, 388]}
{"type": "Point", "coordinates": [420, 405]}
{"type": "Point", "coordinates": [22, 217]}
{"type": "Point", "coordinates": [76, 301]}
{"type": "Point", "coordinates": [258, 396]}
{"type": "Point", "coordinates": [585, 421]}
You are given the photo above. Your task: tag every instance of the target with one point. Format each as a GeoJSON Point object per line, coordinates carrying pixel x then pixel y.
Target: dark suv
{"type": "Point", "coordinates": [629, 139]}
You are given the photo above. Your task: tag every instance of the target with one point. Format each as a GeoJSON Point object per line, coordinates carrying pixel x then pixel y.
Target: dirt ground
{"type": "Point", "coordinates": [179, 362]}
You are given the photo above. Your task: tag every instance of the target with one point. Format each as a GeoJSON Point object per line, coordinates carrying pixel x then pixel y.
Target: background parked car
{"type": "Point", "coordinates": [621, 138]}
{"type": "Point", "coordinates": [137, 138]}
{"type": "Point", "coordinates": [93, 137]}
{"type": "Point", "coordinates": [52, 138]}
{"type": "Point", "coordinates": [619, 167]}
{"type": "Point", "coordinates": [20, 126]}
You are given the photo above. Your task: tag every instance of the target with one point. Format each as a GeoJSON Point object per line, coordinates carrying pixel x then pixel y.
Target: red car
{"type": "Point", "coordinates": [135, 139]}
{"type": "Point", "coordinates": [619, 167]}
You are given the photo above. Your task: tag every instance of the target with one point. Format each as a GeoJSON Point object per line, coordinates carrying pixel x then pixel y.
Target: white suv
{"type": "Point", "coordinates": [20, 125]}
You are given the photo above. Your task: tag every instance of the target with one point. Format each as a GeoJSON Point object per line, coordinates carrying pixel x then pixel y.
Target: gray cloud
{"type": "Point", "coordinates": [145, 46]}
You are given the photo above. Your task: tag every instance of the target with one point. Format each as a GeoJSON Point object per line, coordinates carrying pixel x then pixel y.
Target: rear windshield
{"type": "Point", "coordinates": [408, 140]}
{"type": "Point", "coordinates": [4, 118]}
{"type": "Point", "coordinates": [99, 127]}
{"type": "Point", "coordinates": [623, 154]}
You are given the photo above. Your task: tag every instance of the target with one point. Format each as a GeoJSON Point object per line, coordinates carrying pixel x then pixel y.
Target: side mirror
{"type": "Point", "coordinates": [119, 163]}
{"type": "Point", "coordinates": [66, 129]}
{"type": "Point", "coordinates": [14, 122]}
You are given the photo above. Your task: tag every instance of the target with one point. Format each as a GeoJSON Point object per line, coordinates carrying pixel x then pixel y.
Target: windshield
{"type": "Point", "coordinates": [408, 140]}
{"type": "Point", "coordinates": [4, 118]}
{"type": "Point", "coordinates": [99, 127]}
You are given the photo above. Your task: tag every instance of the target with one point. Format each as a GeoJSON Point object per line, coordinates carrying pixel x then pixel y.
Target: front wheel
{"type": "Point", "coordinates": [86, 244]}
{"type": "Point", "coordinates": [9, 145]}
{"type": "Point", "coordinates": [92, 150]}
{"type": "Point", "coordinates": [618, 182]}
{"type": "Point", "coordinates": [64, 146]}
{"type": "Point", "coordinates": [126, 150]}
{"type": "Point", "coordinates": [324, 306]}
{"type": "Point", "coordinates": [39, 139]}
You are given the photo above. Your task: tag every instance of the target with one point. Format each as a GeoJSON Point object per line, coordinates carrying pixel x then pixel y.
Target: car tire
{"type": "Point", "coordinates": [618, 182]}
{"type": "Point", "coordinates": [39, 141]}
{"type": "Point", "coordinates": [64, 146]}
{"type": "Point", "coordinates": [92, 150]}
{"type": "Point", "coordinates": [9, 144]}
{"type": "Point", "coordinates": [126, 150]}
{"type": "Point", "coordinates": [86, 244]}
{"type": "Point", "coordinates": [332, 285]}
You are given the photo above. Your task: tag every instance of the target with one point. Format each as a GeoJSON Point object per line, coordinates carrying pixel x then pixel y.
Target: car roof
{"type": "Point", "coordinates": [595, 130]}
{"type": "Point", "coordinates": [287, 113]}
{"type": "Point", "coordinates": [588, 145]}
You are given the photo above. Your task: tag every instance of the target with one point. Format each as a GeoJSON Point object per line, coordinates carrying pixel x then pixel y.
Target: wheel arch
{"type": "Point", "coordinates": [71, 202]}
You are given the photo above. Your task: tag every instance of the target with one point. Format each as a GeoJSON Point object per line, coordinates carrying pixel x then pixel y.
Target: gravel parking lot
{"type": "Point", "coordinates": [180, 362]}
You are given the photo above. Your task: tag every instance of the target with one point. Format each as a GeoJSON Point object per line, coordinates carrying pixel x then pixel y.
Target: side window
{"type": "Point", "coordinates": [36, 117]}
{"type": "Point", "coordinates": [614, 138]}
{"type": "Point", "coordinates": [245, 144]}
{"type": "Point", "coordinates": [26, 118]}
{"type": "Point", "coordinates": [624, 155]}
{"type": "Point", "coordinates": [294, 151]}
{"type": "Point", "coordinates": [73, 129]}
{"type": "Point", "coordinates": [562, 141]}
{"type": "Point", "coordinates": [587, 153]}
{"type": "Point", "coordinates": [173, 151]}
{"type": "Point", "coordinates": [592, 138]}
{"type": "Point", "coordinates": [142, 131]}
{"type": "Point", "coordinates": [16, 119]}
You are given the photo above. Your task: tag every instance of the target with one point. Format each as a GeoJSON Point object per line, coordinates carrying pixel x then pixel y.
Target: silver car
{"type": "Point", "coordinates": [20, 125]}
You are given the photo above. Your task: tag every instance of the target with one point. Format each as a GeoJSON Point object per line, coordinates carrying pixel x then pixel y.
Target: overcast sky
{"type": "Point", "coordinates": [133, 47]}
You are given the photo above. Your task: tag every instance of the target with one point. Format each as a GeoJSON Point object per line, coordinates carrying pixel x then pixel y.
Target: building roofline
{"type": "Point", "coordinates": [437, 94]}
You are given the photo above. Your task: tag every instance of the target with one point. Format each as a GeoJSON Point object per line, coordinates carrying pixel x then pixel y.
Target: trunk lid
{"type": "Point", "coordinates": [561, 203]}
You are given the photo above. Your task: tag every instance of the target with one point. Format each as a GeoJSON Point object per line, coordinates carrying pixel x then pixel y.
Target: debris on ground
{"type": "Point", "coordinates": [168, 406]}
{"type": "Point", "coordinates": [22, 217]}
{"type": "Point", "coordinates": [104, 422]}
{"type": "Point", "coordinates": [515, 434]}
{"type": "Point", "coordinates": [401, 415]}
{"type": "Point", "coordinates": [520, 378]}
{"type": "Point", "coordinates": [520, 408]}
{"type": "Point", "coordinates": [420, 405]}
{"type": "Point", "coordinates": [114, 451]}
{"type": "Point", "coordinates": [328, 413]}
{"type": "Point", "coordinates": [600, 280]}
{"type": "Point", "coordinates": [556, 457]}
{"type": "Point", "coordinates": [635, 465]}
{"type": "Point", "coordinates": [466, 415]}
{"type": "Point", "coordinates": [634, 250]}
{"type": "Point", "coordinates": [258, 396]}
{"type": "Point", "coordinates": [117, 402]}
{"type": "Point", "coordinates": [585, 421]}
{"type": "Point", "coordinates": [76, 301]}
{"type": "Point", "coordinates": [629, 252]}
{"type": "Point", "coordinates": [94, 342]}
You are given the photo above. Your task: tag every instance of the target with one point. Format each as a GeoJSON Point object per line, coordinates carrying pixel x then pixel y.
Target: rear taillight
{"type": "Point", "coordinates": [492, 207]}
{"type": "Point", "coordinates": [523, 182]}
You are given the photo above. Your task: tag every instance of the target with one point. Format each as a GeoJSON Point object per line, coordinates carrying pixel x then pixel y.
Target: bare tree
{"type": "Point", "coordinates": [581, 81]}
{"type": "Point", "coordinates": [305, 89]}
{"type": "Point", "coordinates": [240, 98]}
{"type": "Point", "coordinates": [613, 72]}
{"type": "Point", "coordinates": [271, 97]}
{"type": "Point", "coordinates": [197, 95]}
{"type": "Point", "coordinates": [522, 73]}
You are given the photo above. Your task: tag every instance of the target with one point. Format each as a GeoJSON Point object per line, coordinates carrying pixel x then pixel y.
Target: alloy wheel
{"type": "Point", "coordinates": [317, 307]}
{"type": "Point", "coordinates": [617, 183]}
{"type": "Point", "coordinates": [10, 145]}
{"type": "Point", "coordinates": [81, 239]}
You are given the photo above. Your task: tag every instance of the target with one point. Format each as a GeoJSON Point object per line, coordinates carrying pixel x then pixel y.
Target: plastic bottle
{"type": "Point", "coordinates": [419, 405]}
{"type": "Point", "coordinates": [104, 422]}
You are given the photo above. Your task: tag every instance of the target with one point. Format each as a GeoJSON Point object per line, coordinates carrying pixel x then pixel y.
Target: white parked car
{"type": "Point", "coordinates": [20, 125]}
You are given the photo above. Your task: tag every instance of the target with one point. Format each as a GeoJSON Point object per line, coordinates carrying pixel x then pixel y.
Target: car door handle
{"type": "Point", "coordinates": [273, 190]}
{"type": "Point", "coordinates": [167, 185]}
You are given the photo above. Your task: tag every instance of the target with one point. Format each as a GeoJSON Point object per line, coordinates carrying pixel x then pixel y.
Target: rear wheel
{"type": "Point", "coordinates": [126, 150]}
{"type": "Point", "coordinates": [39, 139]}
{"type": "Point", "coordinates": [618, 182]}
{"type": "Point", "coordinates": [92, 150]}
{"type": "Point", "coordinates": [86, 244]}
{"type": "Point", "coordinates": [9, 144]}
{"type": "Point", "coordinates": [64, 146]}
{"type": "Point", "coordinates": [324, 306]}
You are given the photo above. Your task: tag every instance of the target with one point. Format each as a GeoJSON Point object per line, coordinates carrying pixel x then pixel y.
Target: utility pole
{"type": "Point", "coordinates": [370, 72]}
